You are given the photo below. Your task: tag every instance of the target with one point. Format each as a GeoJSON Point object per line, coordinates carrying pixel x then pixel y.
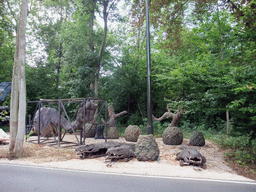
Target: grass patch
{"type": "Point", "coordinates": [6, 128]}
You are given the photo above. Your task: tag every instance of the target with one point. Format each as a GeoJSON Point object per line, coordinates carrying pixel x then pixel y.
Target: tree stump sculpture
{"type": "Point", "coordinates": [112, 132]}
{"type": "Point", "coordinates": [146, 148]}
{"type": "Point", "coordinates": [172, 135]}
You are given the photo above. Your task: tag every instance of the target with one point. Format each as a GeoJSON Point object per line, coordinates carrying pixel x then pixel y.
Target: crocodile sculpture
{"type": "Point", "coordinates": [190, 156]}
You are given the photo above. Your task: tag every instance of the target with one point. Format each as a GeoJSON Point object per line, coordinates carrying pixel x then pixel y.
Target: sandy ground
{"type": "Point", "coordinates": [49, 155]}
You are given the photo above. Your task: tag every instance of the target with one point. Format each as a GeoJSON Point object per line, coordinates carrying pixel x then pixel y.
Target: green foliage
{"type": "Point", "coordinates": [157, 126]}
{"type": "Point", "coordinates": [40, 82]}
{"type": "Point", "coordinates": [126, 88]}
{"type": "Point", "coordinates": [7, 44]}
{"type": "Point", "coordinates": [245, 157]}
{"type": "Point", "coordinates": [241, 142]}
{"type": "Point", "coordinates": [202, 59]}
{"type": "Point", "coordinates": [244, 154]}
{"type": "Point", "coordinates": [5, 128]}
{"type": "Point", "coordinates": [3, 115]}
{"type": "Point", "coordinates": [134, 119]}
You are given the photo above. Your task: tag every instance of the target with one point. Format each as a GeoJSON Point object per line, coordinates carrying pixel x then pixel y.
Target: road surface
{"type": "Point", "coordinates": [32, 178]}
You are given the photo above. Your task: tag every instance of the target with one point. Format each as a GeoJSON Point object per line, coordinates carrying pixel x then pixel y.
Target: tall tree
{"type": "Point", "coordinates": [108, 6]}
{"type": "Point", "coordinates": [18, 94]}
{"type": "Point", "coordinates": [7, 46]}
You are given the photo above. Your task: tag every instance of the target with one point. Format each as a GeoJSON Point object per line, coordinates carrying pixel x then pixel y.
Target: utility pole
{"type": "Point", "coordinates": [149, 106]}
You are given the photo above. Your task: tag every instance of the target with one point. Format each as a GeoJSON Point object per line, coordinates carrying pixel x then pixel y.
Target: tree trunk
{"type": "Point", "coordinates": [60, 54]}
{"type": "Point", "coordinates": [98, 65]}
{"type": "Point", "coordinates": [92, 8]}
{"type": "Point", "coordinates": [18, 95]}
{"type": "Point", "coordinates": [221, 42]}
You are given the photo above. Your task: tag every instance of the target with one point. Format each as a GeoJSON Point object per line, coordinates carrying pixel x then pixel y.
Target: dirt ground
{"type": "Point", "coordinates": [48, 154]}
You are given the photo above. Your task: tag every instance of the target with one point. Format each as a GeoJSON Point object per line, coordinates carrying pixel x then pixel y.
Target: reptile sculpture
{"type": "Point", "coordinates": [49, 119]}
{"type": "Point", "coordinates": [190, 156]}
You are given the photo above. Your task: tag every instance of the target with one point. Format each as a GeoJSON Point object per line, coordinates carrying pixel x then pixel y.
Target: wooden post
{"type": "Point", "coordinates": [228, 127]}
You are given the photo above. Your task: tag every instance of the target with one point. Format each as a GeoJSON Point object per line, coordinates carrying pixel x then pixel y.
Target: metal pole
{"type": "Point", "coordinates": [149, 107]}
{"type": "Point", "coordinates": [39, 127]}
{"type": "Point", "coordinates": [106, 116]}
{"type": "Point", "coordinates": [59, 123]}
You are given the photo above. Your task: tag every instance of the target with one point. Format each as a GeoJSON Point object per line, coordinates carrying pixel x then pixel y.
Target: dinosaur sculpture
{"type": "Point", "coordinates": [85, 114]}
{"type": "Point", "coordinates": [49, 119]}
{"type": "Point", "coordinates": [190, 156]}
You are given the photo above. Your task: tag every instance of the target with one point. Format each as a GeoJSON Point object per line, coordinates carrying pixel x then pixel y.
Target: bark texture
{"type": "Point", "coordinates": [175, 117]}
{"type": "Point", "coordinates": [18, 95]}
{"type": "Point", "coordinates": [112, 116]}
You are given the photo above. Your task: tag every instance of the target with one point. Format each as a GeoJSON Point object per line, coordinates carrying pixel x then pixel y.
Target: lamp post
{"type": "Point", "coordinates": [149, 107]}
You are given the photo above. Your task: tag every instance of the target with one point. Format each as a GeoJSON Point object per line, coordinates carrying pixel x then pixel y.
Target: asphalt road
{"type": "Point", "coordinates": [31, 178]}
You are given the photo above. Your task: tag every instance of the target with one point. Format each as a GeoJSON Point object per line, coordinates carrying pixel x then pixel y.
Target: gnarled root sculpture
{"type": "Point", "coordinates": [112, 132]}
{"type": "Point", "coordinates": [175, 117]}
{"type": "Point", "coordinates": [112, 116]}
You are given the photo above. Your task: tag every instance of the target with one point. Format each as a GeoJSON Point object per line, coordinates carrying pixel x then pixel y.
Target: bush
{"type": "Point", "coordinates": [244, 157]}
{"type": "Point", "coordinates": [243, 150]}
{"type": "Point", "coordinates": [158, 127]}
{"type": "Point", "coordinates": [5, 128]}
{"type": "Point", "coordinates": [135, 119]}
{"type": "Point", "coordinates": [241, 142]}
